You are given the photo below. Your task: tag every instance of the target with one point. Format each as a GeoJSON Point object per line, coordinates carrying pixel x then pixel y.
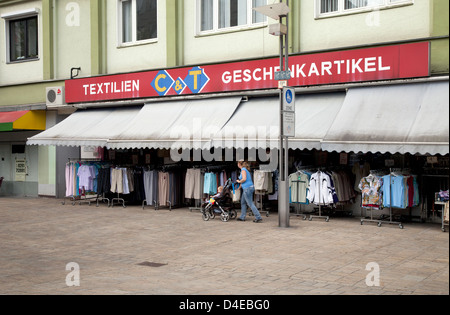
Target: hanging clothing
{"type": "Point", "coordinates": [139, 192]}
{"type": "Point", "coordinates": [319, 190]}
{"type": "Point", "coordinates": [86, 175]}
{"type": "Point", "coordinates": [298, 187]}
{"type": "Point", "coordinates": [150, 181]}
{"type": "Point", "coordinates": [163, 188]}
{"type": "Point", "coordinates": [446, 210]}
{"type": "Point", "coordinates": [263, 182]}
{"type": "Point", "coordinates": [371, 192]}
{"type": "Point", "coordinates": [104, 180]}
{"type": "Point", "coordinates": [69, 180]}
{"type": "Point", "coordinates": [116, 180]}
{"type": "Point", "coordinates": [396, 191]}
{"type": "Point", "coordinates": [193, 187]}
{"type": "Point", "coordinates": [210, 184]}
{"type": "Point", "coordinates": [360, 171]}
{"type": "Point", "coordinates": [82, 177]}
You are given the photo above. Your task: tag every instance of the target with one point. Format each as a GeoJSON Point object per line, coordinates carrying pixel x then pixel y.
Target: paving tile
{"type": "Point", "coordinates": [41, 236]}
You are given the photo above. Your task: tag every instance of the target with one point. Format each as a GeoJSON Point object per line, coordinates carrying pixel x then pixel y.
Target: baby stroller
{"type": "Point", "coordinates": [220, 204]}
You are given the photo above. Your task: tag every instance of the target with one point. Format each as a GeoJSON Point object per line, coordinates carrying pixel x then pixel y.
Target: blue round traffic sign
{"type": "Point", "coordinates": [289, 96]}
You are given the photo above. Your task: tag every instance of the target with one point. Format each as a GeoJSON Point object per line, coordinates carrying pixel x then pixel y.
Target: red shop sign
{"type": "Point", "coordinates": [359, 65]}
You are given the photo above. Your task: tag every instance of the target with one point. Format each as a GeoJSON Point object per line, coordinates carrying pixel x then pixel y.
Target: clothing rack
{"type": "Point", "coordinates": [171, 167]}
{"type": "Point", "coordinates": [197, 205]}
{"type": "Point", "coordinates": [261, 195]}
{"type": "Point", "coordinates": [119, 200]}
{"type": "Point", "coordinates": [170, 203]}
{"type": "Point", "coordinates": [390, 221]}
{"type": "Point", "coordinates": [261, 203]}
{"type": "Point", "coordinates": [198, 202]}
{"type": "Point", "coordinates": [371, 218]}
{"type": "Point", "coordinates": [298, 205]}
{"type": "Point", "coordinates": [400, 225]}
{"type": "Point", "coordinates": [80, 199]}
{"type": "Point", "coordinates": [297, 213]}
{"type": "Point", "coordinates": [102, 197]}
{"type": "Point", "coordinates": [371, 209]}
{"type": "Point", "coordinates": [206, 168]}
{"type": "Point", "coordinates": [320, 216]}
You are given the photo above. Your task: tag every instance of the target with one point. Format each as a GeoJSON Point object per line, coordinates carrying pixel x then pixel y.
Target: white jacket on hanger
{"type": "Point", "coordinates": [320, 192]}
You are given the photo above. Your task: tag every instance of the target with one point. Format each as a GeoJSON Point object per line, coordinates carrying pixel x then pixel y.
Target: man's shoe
{"type": "Point", "coordinates": [239, 219]}
{"type": "Point", "coordinates": [257, 220]}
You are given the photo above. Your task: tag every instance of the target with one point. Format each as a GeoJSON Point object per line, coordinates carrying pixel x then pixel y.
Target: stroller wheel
{"type": "Point", "coordinates": [225, 217]}
{"type": "Point", "coordinates": [206, 216]}
{"type": "Point", "coordinates": [233, 213]}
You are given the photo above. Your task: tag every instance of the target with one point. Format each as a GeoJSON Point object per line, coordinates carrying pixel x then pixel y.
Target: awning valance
{"type": "Point", "coordinates": [174, 125]}
{"type": "Point", "coordinates": [160, 125]}
{"type": "Point", "coordinates": [256, 122]}
{"type": "Point", "coordinates": [23, 120]}
{"type": "Point", "coordinates": [87, 128]}
{"type": "Point", "coordinates": [407, 118]}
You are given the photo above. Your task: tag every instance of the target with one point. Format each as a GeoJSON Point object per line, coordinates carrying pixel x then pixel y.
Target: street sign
{"type": "Point", "coordinates": [21, 170]}
{"type": "Point", "coordinates": [288, 112]}
{"type": "Point", "coordinates": [288, 99]}
{"type": "Point", "coordinates": [282, 84]}
{"type": "Point", "coordinates": [289, 124]}
{"type": "Point", "coordinates": [283, 75]}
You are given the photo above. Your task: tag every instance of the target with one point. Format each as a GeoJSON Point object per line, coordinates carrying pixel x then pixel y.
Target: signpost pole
{"type": "Point", "coordinates": [283, 188]}
{"type": "Point", "coordinates": [286, 216]}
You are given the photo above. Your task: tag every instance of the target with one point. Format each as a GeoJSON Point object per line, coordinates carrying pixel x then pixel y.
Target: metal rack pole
{"type": "Point", "coordinates": [102, 198]}
{"type": "Point", "coordinates": [119, 200]}
{"type": "Point", "coordinates": [371, 218]}
{"type": "Point", "coordinates": [197, 206]}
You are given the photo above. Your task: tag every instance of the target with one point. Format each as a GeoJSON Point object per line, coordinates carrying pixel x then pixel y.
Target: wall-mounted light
{"type": "Point", "coordinates": [76, 75]}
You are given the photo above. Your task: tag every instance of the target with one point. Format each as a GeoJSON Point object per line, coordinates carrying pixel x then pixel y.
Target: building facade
{"type": "Point", "coordinates": [61, 43]}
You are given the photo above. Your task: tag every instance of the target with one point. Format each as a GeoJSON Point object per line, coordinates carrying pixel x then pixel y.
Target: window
{"type": "Point", "coordinates": [18, 149]}
{"type": "Point", "coordinates": [23, 39]}
{"type": "Point", "coordinates": [219, 15]}
{"type": "Point", "coordinates": [138, 21]}
{"type": "Point", "coordinates": [339, 7]}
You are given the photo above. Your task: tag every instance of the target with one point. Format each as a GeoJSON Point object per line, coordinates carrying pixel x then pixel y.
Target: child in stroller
{"type": "Point", "coordinates": [221, 203]}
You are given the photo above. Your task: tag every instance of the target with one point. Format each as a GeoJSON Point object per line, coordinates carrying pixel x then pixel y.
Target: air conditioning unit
{"type": "Point", "coordinates": [54, 96]}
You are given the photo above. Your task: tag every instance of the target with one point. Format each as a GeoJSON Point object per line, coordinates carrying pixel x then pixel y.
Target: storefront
{"type": "Point", "coordinates": [377, 105]}
{"type": "Point", "coordinates": [18, 162]}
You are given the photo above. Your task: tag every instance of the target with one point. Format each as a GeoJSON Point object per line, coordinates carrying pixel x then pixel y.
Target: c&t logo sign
{"type": "Point", "coordinates": [162, 83]}
{"type": "Point", "coordinates": [179, 86]}
{"type": "Point", "coordinates": [195, 80]}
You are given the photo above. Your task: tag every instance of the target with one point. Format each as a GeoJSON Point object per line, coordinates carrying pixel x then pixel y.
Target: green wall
{"type": "Point", "coordinates": [25, 94]}
{"type": "Point", "coordinates": [440, 27]}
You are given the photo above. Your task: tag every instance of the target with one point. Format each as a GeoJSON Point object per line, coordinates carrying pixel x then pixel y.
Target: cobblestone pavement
{"type": "Point", "coordinates": [40, 236]}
